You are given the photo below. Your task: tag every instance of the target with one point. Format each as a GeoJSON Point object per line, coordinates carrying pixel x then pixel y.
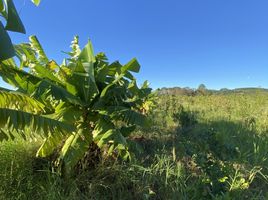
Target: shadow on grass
{"type": "Point", "coordinates": [229, 157]}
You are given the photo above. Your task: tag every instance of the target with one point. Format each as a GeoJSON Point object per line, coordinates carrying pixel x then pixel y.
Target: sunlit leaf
{"type": "Point", "coordinates": [36, 2]}
{"type": "Point", "coordinates": [132, 65]}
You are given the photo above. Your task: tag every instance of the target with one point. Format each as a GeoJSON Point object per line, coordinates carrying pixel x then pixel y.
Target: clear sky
{"type": "Point", "coordinates": [221, 43]}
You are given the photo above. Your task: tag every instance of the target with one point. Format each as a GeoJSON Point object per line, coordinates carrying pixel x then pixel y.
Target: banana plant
{"type": "Point", "coordinates": [13, 22]}
{"type": "Point", "coordinates": [82, 101]}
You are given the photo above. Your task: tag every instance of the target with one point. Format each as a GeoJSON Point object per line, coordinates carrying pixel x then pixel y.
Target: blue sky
{"type": "Point", "coordinates": [221, 43]}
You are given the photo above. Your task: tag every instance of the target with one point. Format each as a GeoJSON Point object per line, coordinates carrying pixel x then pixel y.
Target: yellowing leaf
{"type": "Point", "coordinates": [2, 6]}
{"type": "Point", "coordinates": [36, 2]}
{"type": "Point", "coordinates": [52, 65]}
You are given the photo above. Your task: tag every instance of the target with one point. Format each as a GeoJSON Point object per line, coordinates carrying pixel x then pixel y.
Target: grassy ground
{"type": "Point", "coordinates": [203, 147]}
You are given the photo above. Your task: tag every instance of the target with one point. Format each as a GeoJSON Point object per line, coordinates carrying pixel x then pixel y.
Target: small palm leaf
{"type": "Point", "coordinates": [35, 44]}
{"type": "Point", "coordinates": [131, 117]}
{"type": "Point", "coordinates": [36, 86]}
{"type": "Point", "coordinates": [25, 54]}
{"type": "Point", "coordinates": [83, 77]}
{"type": "Point", "coordinates": [67, 114]}
{"type": "Point", "coordinates": [20, 79]}
{"type": "Point", "coordinates": [18, 101]}
{"type": "Point", "coordinates": [102, 126]}
{"type": "Point", "coordinates": [75, 148]}
{"type": "Point", "coordinates": [38, 124]}
{"type": "Point", "coordinates": [132, 65]}
{"type": "Point", "coordinates": [47, 73]}
{"type": "Point", "coordinates": [49, 145]}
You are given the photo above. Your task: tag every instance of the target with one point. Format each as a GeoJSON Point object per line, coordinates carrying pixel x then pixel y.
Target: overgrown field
{"type": "Point", "coordinates": [201, 147]}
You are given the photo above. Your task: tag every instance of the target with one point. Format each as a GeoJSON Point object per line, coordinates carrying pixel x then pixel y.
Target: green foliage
{"type": "Point", "coordinates": [223, 156]}
{"type": "Point", "coordinates": [202, 89]}
{"type": "Point", "coordinates": [6, 48]}
{"type": "Point", "coordinates": [81, 101]}
{"type": "Point", "coordinates": [186, 119]}
{"type": "Point", "coordinates": [13, 23]}
{"type": "Point", "coordinates": [224, 153]}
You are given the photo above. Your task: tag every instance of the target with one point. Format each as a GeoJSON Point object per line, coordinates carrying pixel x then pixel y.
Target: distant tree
{"type": "Point", "coordinates": [202, 89]}
{"type": "Point", "coordinates": [224, 90]}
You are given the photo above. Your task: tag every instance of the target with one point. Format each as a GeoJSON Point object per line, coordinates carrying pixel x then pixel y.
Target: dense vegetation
{"type": "Point", "coordinates": [198, 147]}
{"type": "Point", "coordinates": [84, 101]}
{"type": "Point", "coordinates": [80, 130]}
